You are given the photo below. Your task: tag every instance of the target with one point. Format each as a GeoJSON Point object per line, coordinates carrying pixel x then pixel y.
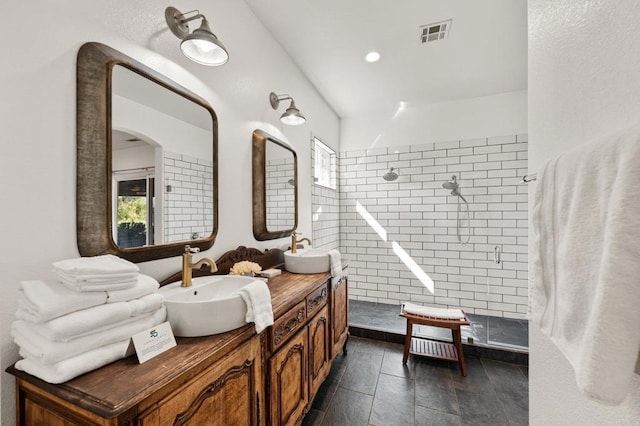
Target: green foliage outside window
{"type": "Point", "coordinates": [132, 209]}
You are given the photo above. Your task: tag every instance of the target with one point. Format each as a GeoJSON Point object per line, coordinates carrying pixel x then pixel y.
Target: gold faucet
{"type": "Point", "coordinates": [187, 266]}
{"type": "Point", "coordinates": [294, 242]}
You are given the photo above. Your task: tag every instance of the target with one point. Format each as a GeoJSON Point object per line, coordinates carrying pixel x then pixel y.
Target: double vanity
{"type": "Point", "coordinates": [234, 378]}
{"type": "Point", "coordinates": [231, 375]}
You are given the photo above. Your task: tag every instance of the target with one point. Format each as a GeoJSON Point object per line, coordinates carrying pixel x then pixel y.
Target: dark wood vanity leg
{"type": "Point", "coordinates": [344, 347]}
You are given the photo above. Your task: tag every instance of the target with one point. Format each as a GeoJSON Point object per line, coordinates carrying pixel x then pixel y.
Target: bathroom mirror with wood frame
{"type": "Point", "coordinates": [116, 97]}
{"type": "Point", "coordinates": [275, 187]}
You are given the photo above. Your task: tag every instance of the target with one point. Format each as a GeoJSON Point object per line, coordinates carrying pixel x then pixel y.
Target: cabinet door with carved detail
{"type": "Point", "coordinates": [288, 382]}
{"type": "Point", "coordinates": [339, 315]}
{"type": "Point", "coordinates": [228, 393]}
{"type": "Point", "coordinates": [319, 351]}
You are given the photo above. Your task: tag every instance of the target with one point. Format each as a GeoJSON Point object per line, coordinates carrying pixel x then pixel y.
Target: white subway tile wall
{"type": "Point", "coordinates": [325, 208]}
{"type": "Point", "coordinates": [280, 196]}
{"type": "Point", "coordinates": [188, 197]}
{"type": "Point", "coordinates": [421, 216]}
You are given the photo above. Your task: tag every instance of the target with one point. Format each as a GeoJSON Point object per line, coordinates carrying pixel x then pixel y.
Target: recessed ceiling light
{"type": "Point", "coordinates": [372, 57]}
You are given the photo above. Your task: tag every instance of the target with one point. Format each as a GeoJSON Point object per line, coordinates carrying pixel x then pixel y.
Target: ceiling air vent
{"type": "Point", "coordinates": [436, 31]}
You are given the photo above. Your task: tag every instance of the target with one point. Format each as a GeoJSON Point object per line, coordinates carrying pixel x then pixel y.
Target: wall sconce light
{"type": "Point", "coordinates": [292, 115]}
{"type": "Point", "coordinates": [201, 46]}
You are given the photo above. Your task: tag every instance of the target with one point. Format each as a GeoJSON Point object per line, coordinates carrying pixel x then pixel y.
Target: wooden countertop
{"type": "Point", "coordinates": [118, 387]}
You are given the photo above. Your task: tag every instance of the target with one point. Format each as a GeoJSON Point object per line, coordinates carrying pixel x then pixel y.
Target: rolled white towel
{"type": "Point", "coordinates": [257, 297]}
{"type": "Point", "coordinates": [97, 318]}
{"type": "Point", "coordinates": [40, 301]}
{"type": "Point", "coordinates": [35, 346]}
{"type": "Point", "coordinates": [75, 366]}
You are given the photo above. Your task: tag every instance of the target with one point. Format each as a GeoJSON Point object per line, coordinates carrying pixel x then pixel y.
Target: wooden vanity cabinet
{"type": "Point", "coordinates": [319, 350]}
{"type": "Point", "coordinates": [339, 315]}
{"type": "Point", "coordinates": [228, 393]}
{"type": "Point", "coordinates": [297, 370]}
{"type": "Point", "coordinates": [234, 378]}
{"type": "Point", "coordinates": [288, 386]}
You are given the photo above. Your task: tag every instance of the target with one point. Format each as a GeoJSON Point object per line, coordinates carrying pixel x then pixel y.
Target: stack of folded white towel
{"type": "Point", "coordinates": [85, 318]}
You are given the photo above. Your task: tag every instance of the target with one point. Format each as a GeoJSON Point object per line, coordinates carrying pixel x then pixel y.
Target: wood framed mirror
{"type": "Point", "coordinates": [275, 187]}
{"type": "Point", "coordinates": [147, 172]}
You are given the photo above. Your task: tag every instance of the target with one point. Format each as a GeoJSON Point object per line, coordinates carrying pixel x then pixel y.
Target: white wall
{"type": "Point", "coordinates": [420, 122]}
{"type": "Point", "coordinates": [583, 83]}
{"type": "Point", "coordinates": [37, 117]}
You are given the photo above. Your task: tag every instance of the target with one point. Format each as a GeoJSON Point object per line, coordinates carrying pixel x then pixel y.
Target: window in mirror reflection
{"type": "Point", "coordinates": [135, 212]}
{"type": "Point", "coordinates": [324, 164]}
{"type": "Point", "coordinates": [280, 187]}
{"type": "Point", "coordinates": [168, 137]}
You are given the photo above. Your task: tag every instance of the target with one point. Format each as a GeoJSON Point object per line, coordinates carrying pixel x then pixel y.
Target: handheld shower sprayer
{"type": "Point", "coordinates": [455, 190]}
{"type": "Point", "coordinates": [452, 185]}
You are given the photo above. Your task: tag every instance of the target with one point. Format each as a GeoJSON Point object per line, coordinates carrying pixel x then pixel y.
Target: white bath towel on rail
{"type": "Point", "coordinates": [585, 261]}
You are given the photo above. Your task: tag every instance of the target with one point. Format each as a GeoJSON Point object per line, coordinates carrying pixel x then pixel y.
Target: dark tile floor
{"type": "Point", "coordinates": [483, 331]}
{"type": "Point", "coordinates": [370, 386]}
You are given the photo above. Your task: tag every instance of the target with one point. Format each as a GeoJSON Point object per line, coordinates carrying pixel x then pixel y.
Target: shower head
{"type": "Point", "coordinates": [453, 185]}
{"type": "Point", "coordinates": [390, 176]}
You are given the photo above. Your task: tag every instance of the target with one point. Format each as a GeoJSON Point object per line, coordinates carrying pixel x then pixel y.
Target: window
{"type": "Point", "coordinates": [324, 167]}
{"type": "Point", "coordinates": [134, 198]}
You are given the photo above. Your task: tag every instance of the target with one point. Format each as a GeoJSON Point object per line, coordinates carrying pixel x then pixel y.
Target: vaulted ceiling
{"type": "Point", "coordinates": [484, 52]}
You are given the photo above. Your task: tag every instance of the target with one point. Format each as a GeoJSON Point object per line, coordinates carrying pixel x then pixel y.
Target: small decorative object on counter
{"type": "Point", "coordinates": [268, 273]}
{"type": "Point", "coordinates": [245, 268]}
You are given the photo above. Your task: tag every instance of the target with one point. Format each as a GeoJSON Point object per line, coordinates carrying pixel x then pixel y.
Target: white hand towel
{"type": "Point", "coordinates": [120, 282]}
{"type": "Point", "coordinates": [257, 297]}
{"type": "Point", "coordinates": [107, 264]}
{"type": "Point", "coordinates": [97, 318]}
{"type": "Point", "coordinates": [335, 262]}
{"type": "Point", "coordinates": [585, 261]}
{"type": "Point", "coordinates": [98, 273]}
{"type": "Point", "coordinates": [77, 365]}
{"type": "Point", "coordinates": [429, 311]}
{"type": "Point", "coordinates": [40, 301]}
{"type": "Point", "coordinates": [144, 285]}
{"type": "Point", "coordinates": [38, 347]}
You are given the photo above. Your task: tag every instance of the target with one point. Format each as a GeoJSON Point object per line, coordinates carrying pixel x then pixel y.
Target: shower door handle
{"type": "Point", "coordinates": [496, 254]}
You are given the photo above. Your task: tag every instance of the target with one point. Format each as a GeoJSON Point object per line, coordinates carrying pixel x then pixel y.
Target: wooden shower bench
{"type": "Point", "coordinates": [434, 348]}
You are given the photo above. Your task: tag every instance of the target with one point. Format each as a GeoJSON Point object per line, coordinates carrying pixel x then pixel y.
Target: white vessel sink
{"type": "Point", "coordinates": [306, 261]}
{"type": "Point", "coordinates": [210, 306]}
